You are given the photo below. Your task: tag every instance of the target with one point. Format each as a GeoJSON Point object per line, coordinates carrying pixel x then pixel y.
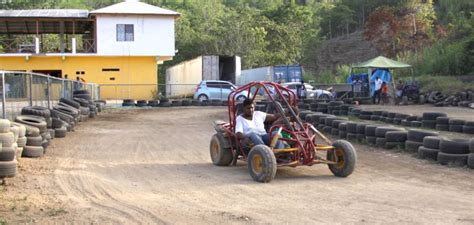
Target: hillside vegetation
{"type": "Point", "coordinates": [325, 36]}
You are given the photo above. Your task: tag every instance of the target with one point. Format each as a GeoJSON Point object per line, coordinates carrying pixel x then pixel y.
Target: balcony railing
{"type": "Point", "coordinates": [35, 46]}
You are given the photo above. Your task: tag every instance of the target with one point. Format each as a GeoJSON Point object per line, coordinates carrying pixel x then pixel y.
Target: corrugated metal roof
{"type": "Point", "coordinates": [45, 13]}
{"type": "Point", "coordinates": [135, 7]}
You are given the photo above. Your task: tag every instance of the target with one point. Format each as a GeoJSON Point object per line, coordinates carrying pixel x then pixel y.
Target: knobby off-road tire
{"type": "Point", "coordinates": [221, 154]}
{"type": "Point", "coordinates": [346, 158]}
{"type": "Point", "coordinates": [261, 163]}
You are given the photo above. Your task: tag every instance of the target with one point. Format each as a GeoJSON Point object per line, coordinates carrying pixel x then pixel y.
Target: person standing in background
{"type": "Point", "coordinates": [378, 90]}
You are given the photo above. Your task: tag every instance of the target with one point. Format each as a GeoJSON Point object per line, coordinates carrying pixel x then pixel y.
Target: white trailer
{"type": "Point", "coordinates": [181, 79]}
{"type": "Point", "coordinates": [283, 73]}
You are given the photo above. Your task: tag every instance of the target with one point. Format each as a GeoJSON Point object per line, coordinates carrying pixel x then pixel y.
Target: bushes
{"type": "Point", "coordinates": [446, 84]}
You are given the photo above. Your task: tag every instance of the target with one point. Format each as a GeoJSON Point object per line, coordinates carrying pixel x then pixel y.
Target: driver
{"type": "Point", "coordinates": [250, 127]}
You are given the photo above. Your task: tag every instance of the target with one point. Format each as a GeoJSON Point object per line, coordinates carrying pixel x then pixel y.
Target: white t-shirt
{"type": "Point", "coordinates": [256, 125]}
{"type": "Point", "coordinates": [378, 84]}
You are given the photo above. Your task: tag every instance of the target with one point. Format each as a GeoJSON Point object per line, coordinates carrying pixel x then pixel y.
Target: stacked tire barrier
{"type": "Point", "coordinates": [430, 148]}
{"type": "Point", "coordinates": [453, 152]}
{"type": "Point", "coordinates": [426, 144]}
{"type": "Point", "coordinates": [37, 126]}
{"type": "Point", "coordinates": [430, 120]}
{"type": "Point", "coordinates": [8, 162]}
{"type": "Point", "coordinates": [165, 102]}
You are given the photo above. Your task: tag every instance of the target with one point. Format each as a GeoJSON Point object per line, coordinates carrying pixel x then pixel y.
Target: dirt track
{"type": "Point", "coordinates": [153, 166]}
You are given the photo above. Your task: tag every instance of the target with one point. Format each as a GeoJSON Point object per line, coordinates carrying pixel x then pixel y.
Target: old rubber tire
{"type": "Point", "coordinates": [415, 124]}
{"type": "Point", "coordinates": [81, 92]}
{"type": "Point", "coordinates": [418, 135]}
{"type": "Point", "coordinates": [370, 140]}
{"type": "Point", "coordinates": [70, 102]}
{"type": "Point", "coordinates": [468, 129]}
{"type": "Point", "coordinates": [7, 139]}
{"type": "Point", "coordinates": [380, 142]}
{"type": "Point", "coordinates": [442, 127]}
{"type": "Point", "coordinates": [36, 110]}
{"type": "Point", "coordinates": [261, 163]}
{"type": "Point", "coordinates": [471, 145]}
{"type": "Point", "coordinates": [452, 159]}
{"type": "Point", "coordinates": [83, 96]}
{"type": "Point", "coordinates": [442, 120]}
{"type": "Point", "coordinates": [351, 136]}
{"type": "Point", "coordinates": [428, 153]}
{"type": "Point", "coordinates": [470, 161]}
{"type": "Point", "coordinates": [221, 155]}
{"type": "Point", "coordinates": [346, 158]}
{"type": "Point", "coordinates": [8, 169]}
{"type": "Point", "coordinates": [34, 141]}
{"type": "Point", "coordinates": [431, 142]}
{"type": "Point", "coordinates": [370, 130]}
{"type": "Point", "coordinates": [433, 115]}
{"type": "Point", "coordinates": [33, 151]}
{"type": "Point", "coordinates": [430, 124]}
{"type": "Point", "coordinates": [5, 125]}
{"type": "Point", "coordinates": [21, 141]}
{"type": "Point", "coordinates": [381, 131]}
{"type": "Point", "coordinates": [455, 128]}
{"type": "Point", "coordinates": [412, 146]}
{"type": "Point", "coordinates": [396, 136]}
{"type": "Point", "coordinates": [394, 145]}
{"type": "Point", "coordinates": [7, 154]}
{"type": "Point", "coordinates": [60, 132]}
{"type": "Point", "coordinates": [454, 146]}
{"type": "Point", "coordinates": [30, 120]}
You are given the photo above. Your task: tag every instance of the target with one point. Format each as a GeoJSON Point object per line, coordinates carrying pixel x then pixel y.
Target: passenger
{"type": "Point", "coordinates": [301, 91]}
{"type": "Point", "coordinates": [250, 126]}
{"type": "Point", "coordinates": [384, 93]}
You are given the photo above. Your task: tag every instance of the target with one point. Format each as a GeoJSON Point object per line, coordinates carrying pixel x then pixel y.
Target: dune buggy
{"type": "Point", "coordinates": [299, 139]}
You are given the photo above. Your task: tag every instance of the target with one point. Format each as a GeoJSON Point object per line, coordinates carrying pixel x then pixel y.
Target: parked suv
{"type": "Point", "coordinates": [216, 89]}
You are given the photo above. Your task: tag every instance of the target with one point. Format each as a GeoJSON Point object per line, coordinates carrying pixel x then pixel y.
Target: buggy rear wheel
{"type": "Point", "coordinates": [345, 157]}
{"type": "Point", "coordinates": [261, 163]}
{"type": "Point", "coordinates": [220, 155]}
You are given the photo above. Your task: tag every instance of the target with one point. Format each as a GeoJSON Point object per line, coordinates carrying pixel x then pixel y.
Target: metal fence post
{"type": "Point", "coordinates": [63, 89]}
{"type": "Point", "coordinates": [48, 91]}
{"type": "Point", "coordinates": [3, 96]}
{"type": "Point", "coordinates": [31, 89]}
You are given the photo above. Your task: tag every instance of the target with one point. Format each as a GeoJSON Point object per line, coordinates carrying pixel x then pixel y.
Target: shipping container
{"type": "Point", "coordinates": [286, 73]}
{"type": "Point", "coordinates": [181, 79]}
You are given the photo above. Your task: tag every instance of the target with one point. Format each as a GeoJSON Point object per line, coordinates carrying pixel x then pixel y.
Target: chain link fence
{"type": "Point", "coordinates": [20, 89]}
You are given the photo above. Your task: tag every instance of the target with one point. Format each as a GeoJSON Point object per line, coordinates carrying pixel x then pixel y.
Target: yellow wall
{"type": "Point", "coordinates": [137, 78]}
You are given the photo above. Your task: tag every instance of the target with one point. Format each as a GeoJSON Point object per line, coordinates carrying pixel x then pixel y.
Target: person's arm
{"type": "Point", "coordinates": [239, 129]}
{"type": "Point", "coordinates": [272, 117]}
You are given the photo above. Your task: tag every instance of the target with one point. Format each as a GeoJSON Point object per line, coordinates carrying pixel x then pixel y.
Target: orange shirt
{"type": "Point", "coordinates": [385, 89]}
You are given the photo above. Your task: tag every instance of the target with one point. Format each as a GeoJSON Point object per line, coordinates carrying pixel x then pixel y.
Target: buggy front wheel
{"type": "Point", "coordinates": [345, 157]}
{"type": "Point", "coordinates": [261, 163]}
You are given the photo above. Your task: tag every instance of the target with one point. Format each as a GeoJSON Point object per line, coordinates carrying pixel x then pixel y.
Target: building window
{"type": "Point", "coordinates": [125, 32]}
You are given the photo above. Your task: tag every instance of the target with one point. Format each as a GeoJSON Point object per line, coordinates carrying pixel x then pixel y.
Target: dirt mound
{"type": "Point", "coordinates": [343, 50]}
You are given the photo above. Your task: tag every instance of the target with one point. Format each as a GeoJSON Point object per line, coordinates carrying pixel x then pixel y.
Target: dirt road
{"type": "Point", "coordinates": [153, 166]}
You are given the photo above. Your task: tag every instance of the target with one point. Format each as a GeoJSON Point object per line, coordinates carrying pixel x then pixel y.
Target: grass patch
{"type": "Point", "coordinates": [446, 84]}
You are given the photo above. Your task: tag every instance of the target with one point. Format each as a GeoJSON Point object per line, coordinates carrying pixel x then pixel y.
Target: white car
{"type": "Point", "coordinates": [310, 91]}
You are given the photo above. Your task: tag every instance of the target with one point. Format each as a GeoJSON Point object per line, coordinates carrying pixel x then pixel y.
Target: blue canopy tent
{"type": "Point", "coordinates": [378, 67]}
